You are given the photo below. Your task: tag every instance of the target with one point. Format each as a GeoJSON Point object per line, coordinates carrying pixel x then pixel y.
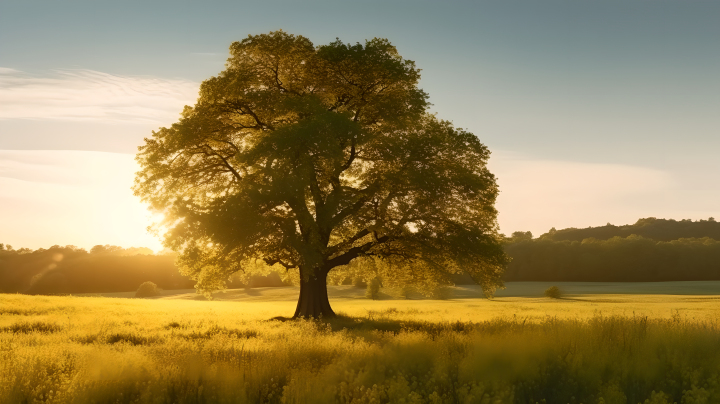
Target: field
{"type": "Point", "coordinates": [602, 343]}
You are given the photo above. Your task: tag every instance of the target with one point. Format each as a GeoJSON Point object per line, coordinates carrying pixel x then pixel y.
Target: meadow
{"type": "Point", "coordinates": [602, 343]}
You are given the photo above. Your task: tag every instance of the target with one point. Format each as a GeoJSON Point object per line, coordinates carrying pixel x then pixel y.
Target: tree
{"type": "Point", "coordinates": [310, 157]}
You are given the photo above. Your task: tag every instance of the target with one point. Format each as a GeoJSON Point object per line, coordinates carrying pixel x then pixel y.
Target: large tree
{"type": "Point", "coordinates": [310, 157]}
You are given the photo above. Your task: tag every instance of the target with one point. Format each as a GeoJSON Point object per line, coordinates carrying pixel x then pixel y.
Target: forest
{"type": "Point", "coordinates": [651, 250]}
{"type": "Point", "coordinates": [69, 269]}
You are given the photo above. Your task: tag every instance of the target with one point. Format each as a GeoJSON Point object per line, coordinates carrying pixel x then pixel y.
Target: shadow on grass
{"type": "Point", "coordinates": [383, 321]}
{"type": "Point", "coordinates": [32, 327]}
{"type": "Point", "coordinates": [396, 326]}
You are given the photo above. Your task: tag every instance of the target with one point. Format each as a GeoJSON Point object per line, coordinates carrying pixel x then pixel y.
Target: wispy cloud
{"type": "Point", "coordinates": [87, 95]}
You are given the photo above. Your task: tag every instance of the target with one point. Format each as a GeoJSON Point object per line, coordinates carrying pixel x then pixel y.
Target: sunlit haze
{"type": "Point", "coordinates": [595, 112]}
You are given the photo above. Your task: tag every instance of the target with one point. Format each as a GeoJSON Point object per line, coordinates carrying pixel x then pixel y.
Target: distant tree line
{"type": "Point", "coordinates": [69, 269]}
{"type": "Point", "coordinates": [651, 228]}
{"type": "Point", "coordinates": [649, 250]}
{"type": "Point", "coordinates": [104, 269]}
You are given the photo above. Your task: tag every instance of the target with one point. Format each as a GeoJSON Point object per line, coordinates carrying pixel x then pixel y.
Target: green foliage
{"type": "Point", "coordinates": [147, 289]}
{"type": "Point", "coordinates": [311, 157]}
{"type": "Point", "coordinates": [553, 292]}
{"type": "Point", "coordinates": [263, 276]}
{"type": "Point", "coordinates": [630, 259]}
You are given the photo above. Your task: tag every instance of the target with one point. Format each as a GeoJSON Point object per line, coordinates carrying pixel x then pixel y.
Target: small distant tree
{"type": "Point", "coordinates": [147, 289]}
{"type": "Point", "coordinates": [311, 157]}
{"type": "Point", "coordinates": [373, 288]}
{"type": "Point", "coordinates": [553, 292]}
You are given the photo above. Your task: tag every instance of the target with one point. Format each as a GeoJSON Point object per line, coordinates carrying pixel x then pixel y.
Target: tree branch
{"type": "Point", "coordinates": [353, 253]}
{"type": "Point", "coordinates": [273, 261]}
{"type": "Point", "coordinates": [212, 152]}
{"type": "Point", "coordinates": [349, 210]}
{"type": "Point", "coordinates": [362, 233]}
{"type": "Point", "coordinates": [244, 109]}
{"type": "Point", "coordinates": [350, 159]}
{"type": "Point", "coordinates": [315, 190]}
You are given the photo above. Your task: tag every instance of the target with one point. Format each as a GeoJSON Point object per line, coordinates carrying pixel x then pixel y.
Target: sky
{"type": "Point", "coordinates": [595, 111]}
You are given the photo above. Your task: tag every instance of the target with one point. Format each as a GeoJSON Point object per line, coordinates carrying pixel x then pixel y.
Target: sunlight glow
{"type": "Point", "coordinates": [71, 197]}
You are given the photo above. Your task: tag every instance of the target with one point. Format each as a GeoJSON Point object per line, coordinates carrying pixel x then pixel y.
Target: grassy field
{"type": "Point", "coordinates": [602, 343]}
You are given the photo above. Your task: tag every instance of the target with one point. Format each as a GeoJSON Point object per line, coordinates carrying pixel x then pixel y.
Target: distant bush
{"type": "Point", "coordinates": [441, 293]}
{"type": "Point", "coordinates": [553, 292]}
{"type": "Point", "coordinates": [147, 289]}
{"type": "Point", "coordinates": [373, 289]}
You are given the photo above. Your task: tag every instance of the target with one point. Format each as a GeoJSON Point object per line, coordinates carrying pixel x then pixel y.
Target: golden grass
{"type": "Point", "coordinates": [618, 348]}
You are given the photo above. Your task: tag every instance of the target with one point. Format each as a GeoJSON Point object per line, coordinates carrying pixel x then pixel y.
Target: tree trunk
{"type": "Point", "coordinates": [313, 301]}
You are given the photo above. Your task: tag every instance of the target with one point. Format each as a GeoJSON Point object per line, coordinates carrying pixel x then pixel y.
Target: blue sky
{"type": "Point", "coordinates": [596, 111]}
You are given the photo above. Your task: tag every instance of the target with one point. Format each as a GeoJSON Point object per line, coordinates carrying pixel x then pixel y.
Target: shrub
{"type": "Point", "coordinates": [553, 292]}
{"type": "Point", "coordinates": [441, 293]}
{"type": "Point", "coordinates": [147, 289]}
{"type": "Point", "coordinates": [373, 289]}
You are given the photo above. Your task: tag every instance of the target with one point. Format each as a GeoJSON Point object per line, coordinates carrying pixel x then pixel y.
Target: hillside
{"type": "Point", "coordinates": [650, 228]}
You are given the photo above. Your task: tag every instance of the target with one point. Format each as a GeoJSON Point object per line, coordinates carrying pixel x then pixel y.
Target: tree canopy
{"type": "Point", "coordinates": [310, 157]}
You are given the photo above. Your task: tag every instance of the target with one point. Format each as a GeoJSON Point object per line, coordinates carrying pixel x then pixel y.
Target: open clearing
{"type": "Point", "coordinates": [654, 342]}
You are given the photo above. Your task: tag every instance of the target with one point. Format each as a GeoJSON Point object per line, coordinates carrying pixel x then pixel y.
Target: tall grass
{"type": "Point", "coordinates": [154, 352]}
